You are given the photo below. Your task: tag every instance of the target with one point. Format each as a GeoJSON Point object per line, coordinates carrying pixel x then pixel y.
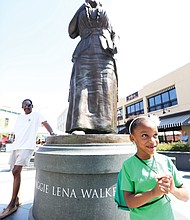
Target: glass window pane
{"type": "Point", "coordinates": [132, 108]}
{"type": "Point", "coordinates": [151, 101]}
{"type": "Point", "coordinates": [157, 99]}
{"type": "Point", "coordinates": [165, 97]}
{"type": "Point", "coordinates": [152, 109]}
{"type": "Point", "coordinates": [166, 105]}
{"type": "Point", "coordinates": [141, 105]}
{"type": "Point", "coordinates": [137, 107]}
{"type": "Point", "coordinates": [174, 102]}
{"type": "Point", "coordinates": [158, 107]}
{"type": "Point", "coordinates": [172, 94]}
{"type": "Point", "coordinates": [128, 110]}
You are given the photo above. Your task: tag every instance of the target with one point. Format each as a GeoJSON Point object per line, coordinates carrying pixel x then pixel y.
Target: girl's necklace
{"type": "Point", "coordinates": [167, 197]}
{"type": "Point", "coordinates": [155, 171]}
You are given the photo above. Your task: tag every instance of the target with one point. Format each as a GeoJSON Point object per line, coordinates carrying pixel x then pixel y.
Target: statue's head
{"type": "Point", "coordinates": [93, 3]}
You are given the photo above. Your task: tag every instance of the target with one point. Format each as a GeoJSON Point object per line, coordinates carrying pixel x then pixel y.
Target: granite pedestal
{"type": "Point", "coordinates": [76, 177]}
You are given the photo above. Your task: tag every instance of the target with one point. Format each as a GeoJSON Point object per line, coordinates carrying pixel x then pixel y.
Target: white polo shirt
{"type": "Point", "coordinates": [25, 130]}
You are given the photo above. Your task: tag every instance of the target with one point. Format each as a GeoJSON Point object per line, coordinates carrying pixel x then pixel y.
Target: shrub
{"type": "Point", "coordinates": [182, 147]}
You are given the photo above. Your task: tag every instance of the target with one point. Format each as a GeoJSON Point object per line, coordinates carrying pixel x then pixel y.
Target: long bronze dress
{"type": "Point", "coordinates": [93, 83]}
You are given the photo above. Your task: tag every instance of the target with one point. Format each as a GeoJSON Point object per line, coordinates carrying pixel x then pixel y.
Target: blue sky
{"type": "Point", "coordinates": [36, 51]}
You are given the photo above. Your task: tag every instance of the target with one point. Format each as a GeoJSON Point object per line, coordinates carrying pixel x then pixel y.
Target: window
{"type": "Point", "coordinates": [173, 97]}
{"type": "Point", "coordinates": [6, 122]}
{"type": "Point", "coordinates": [135, 109]}
{"type": "Point", "coordinates": [163, 100]}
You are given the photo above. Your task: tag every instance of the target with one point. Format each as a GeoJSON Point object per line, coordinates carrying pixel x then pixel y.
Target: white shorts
{"type": "Point", "coordinates": [20, 157]}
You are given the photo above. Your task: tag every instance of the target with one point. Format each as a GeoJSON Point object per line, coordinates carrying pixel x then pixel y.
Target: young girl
{"type": "Point", "coordinates": [147, 177]}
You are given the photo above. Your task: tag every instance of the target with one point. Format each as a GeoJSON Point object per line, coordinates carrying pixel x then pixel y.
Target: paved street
{"type": "Point", "coordinates": [27, 191]}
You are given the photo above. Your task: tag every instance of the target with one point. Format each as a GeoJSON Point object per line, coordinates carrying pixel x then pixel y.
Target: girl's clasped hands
{"type": "Point", "coordinates": [165, 185]}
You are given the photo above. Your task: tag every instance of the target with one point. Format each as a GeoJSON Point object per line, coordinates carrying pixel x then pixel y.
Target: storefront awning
{"type": "Point", "coordinates": [174, 121]}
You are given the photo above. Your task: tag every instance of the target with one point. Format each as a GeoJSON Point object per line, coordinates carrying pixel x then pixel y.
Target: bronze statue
{"type": "Point", "coordinates": [93, 83]}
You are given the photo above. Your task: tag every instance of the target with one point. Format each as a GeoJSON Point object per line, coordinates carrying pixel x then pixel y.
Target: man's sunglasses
{"type": "Point", "coordinates": [26, 105]}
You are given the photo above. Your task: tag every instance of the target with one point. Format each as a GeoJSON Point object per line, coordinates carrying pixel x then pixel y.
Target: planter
{"type": "Point", "coordinates": [182, 159]}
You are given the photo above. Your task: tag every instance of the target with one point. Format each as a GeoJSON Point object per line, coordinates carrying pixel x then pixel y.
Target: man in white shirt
{"type": "Point", "coordinates": [26, 128]}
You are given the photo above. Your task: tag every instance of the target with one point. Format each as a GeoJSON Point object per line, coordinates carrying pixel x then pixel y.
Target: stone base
{"type": "Point", "coordinates": [88, 139]}
{"type": "Point", "coordinates": [76, 177]}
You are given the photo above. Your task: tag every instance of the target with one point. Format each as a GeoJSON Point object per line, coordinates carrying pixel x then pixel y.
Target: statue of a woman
{"type": "Point", "coordinates": [93, 83]}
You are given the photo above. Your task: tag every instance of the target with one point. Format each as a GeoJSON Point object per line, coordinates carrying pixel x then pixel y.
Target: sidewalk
{"type": "Point", "coordinates": [27, 191]}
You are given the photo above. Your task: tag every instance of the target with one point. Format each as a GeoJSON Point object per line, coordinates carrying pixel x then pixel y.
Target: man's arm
{"type": "Point", "coordinates": [48, 127]}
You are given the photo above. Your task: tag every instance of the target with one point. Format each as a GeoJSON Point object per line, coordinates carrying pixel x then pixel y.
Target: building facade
{"type": "Point", "coordinates": [61, 120]}
{"type": "Point", "coordinates": [167, 97]}
{"type": "Point", "coordinates": [7, 119]}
